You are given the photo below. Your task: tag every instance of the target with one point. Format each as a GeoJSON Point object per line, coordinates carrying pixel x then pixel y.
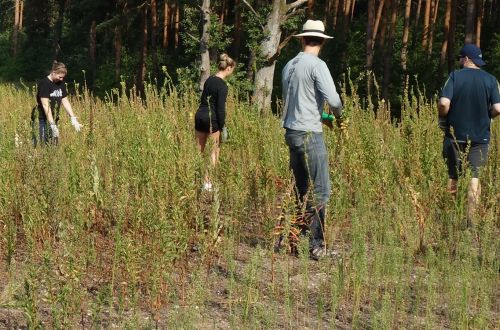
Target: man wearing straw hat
{"type": "Point", "coordinates": [469, 100]}
{"type": "Point", "coordinates": [307, 84]}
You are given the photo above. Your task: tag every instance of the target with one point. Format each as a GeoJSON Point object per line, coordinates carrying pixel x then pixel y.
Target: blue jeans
{"type": "Point", "coordinates": [309, 163]}
{"type": "Point", "coordinates": [44, 133]}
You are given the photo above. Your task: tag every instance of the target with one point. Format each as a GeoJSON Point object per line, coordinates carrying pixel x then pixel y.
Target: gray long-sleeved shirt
{"type": "Point", "coordinates": [311, 84]}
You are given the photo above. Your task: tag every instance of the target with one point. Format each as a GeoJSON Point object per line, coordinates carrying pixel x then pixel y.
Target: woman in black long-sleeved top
{"type": "Point", "coordinates": [211, 115]}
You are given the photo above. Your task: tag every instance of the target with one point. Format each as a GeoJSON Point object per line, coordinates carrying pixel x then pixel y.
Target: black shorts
{"type": "Point", "coordinates": [476, 155]}
{"type": "Point", "coordinates": [203, 122]}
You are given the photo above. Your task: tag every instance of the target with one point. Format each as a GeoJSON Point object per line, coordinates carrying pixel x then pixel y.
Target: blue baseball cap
{"type": "Point", "coordinates": [474, 53]}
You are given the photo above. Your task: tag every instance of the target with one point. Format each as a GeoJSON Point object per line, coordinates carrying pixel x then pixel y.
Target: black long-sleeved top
{"type": "Point", "coordinates": [213, 98]}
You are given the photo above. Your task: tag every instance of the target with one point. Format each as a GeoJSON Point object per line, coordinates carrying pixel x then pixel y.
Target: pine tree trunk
{"type": "Point", "coordinates": [141, 73]}
{"type": "Point", "coordinates": [479, 21]}
{"type": "Point", "coordinates": [369, 48]}
{"type": "Point", "coordinates": [118, 53]}
{"type": "Point", "coordinates": [451, 36]}
{"type": "Point", "coordinates": [470, 22]}
{"type": "Point", "coordinates": [434, 12]}
{"type": "Point", "coordinates": [391, 30]}
{"type": "Point", "coordinates": [177, 24]}
{"type": "Point", "coordinates": [58, 30]}
{"type": "Point", "coordinates": [166, 23]}
{"type": "Point", "coordinates": [205, 37]}
{"type": "Point", "coordinates": [237, 32]}
{"type": "Point", "coordinates": [154, 33]}
{"type": "Point", "coordinates": [425, 28]}
{"type": "Point", "coordinates": [335, 13]}
{"type": "Point", "coordinates": [446, 32]}
{"type": "Point", "coordinates": [15, 30]}
{"type": "Point", "coordinates": [92, 53]}
{"type": "Point", "coordinates": [378, 18]}
{"type": "Point", "coordinates": [406, 36]}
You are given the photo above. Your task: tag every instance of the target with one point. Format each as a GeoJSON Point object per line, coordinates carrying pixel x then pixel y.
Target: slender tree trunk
{"type": "Point", "coordinates": [154, 33]}
{"type": "Point", "coordinates": [15, 31]}
{"type": "Point", "coordinates": [177, 23]}
{"type": "Point", "coordinates": [446, 33]}
{"type": "Point", "coordinates": [141, 73]}
{"type": "Point", "coordinates": [378, 18]}
{"type": "Point", "coordinates": [310, 8]}
{"type": "Point", "coordinates": [369, 48]}
{"type": "Point", "coordinates": [346, 19]}
{"type": "Point", "coordinates": [406, 36]}
{"type": "Point", "coordinates": [92, 54]}
{"type": "Point", "coordinates": [21, 13]}
{"type": "Point", "coordinates": [470, 20]}
{"type": "Point", "coordinates": [118, 53]}
{"type": "Point", "coordinates": [58, 29]}
{"type": "Point", "coordinates": [451, 36]}
{"type": "Point", "coordinates": [479, 21]}
{"type": "Point", "coordinates": [335, 13]}
{"type": "Point", "coordinates": [237, 32]}
{"type": "Point", "coordinates": [205, 37]}
{"type": "Point", "coordinates": [435, 8]}
{"type": "Point", "coordinates": [417, 13]}
{"type": "Point", "coordinates": [166, 23]}
{"type": "Point", "coordinates": [425, 28]}
{"type": "Point", "coordinates": [393, 12]}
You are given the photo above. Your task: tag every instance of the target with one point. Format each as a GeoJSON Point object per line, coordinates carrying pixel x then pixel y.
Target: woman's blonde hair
{"type": "Point", "coordinates": [59, 68]}
{"type": "Point", "coordinates": [225, 61]}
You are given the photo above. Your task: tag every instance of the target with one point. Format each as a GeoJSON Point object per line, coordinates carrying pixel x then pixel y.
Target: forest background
{"type": "Point", "coordinates": [400, 43]}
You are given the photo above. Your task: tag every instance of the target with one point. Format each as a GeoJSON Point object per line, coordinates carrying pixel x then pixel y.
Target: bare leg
{"type": "Point", "coordinates": [201, 139]}
{"type": "Point", "coordinates": [452, 187]}
{"type": "Point", "coordinates": [473, 195]}
{"type": "Point", "coordinates": [214, 156]}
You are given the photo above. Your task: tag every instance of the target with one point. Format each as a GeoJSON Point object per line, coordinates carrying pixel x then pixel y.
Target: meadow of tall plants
{"type": "Point", "coordinates": [110, 228]}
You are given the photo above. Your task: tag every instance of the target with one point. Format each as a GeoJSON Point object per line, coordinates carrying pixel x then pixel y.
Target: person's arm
{"type": "Point", "coordinates": [495, 110]}
{"type": "Point", "coordinates": [326, 86]}
{"type": "Point", "coordinates": [69, 110]}
{"type": "Point", "coordinates": [221, 105]}
{"type": "Point", "coordinates": [443, 106]}
{"type": "Point", "coordinates": [46, 108]}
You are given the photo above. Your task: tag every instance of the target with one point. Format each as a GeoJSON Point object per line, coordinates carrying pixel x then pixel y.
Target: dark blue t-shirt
{"type": "Point", "coordinates": [472, 92]}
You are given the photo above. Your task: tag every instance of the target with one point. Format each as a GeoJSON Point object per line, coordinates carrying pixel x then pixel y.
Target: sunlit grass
{"type": "Point", "coordinates": [111, 226]}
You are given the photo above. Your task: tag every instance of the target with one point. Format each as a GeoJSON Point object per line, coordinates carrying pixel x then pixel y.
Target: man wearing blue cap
{"type": "Point", "coordinates": [469, 100]}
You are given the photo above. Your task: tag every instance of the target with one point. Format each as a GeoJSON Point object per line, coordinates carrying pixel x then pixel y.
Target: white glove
{"type": "Point", "coordinates": [76, 124]}
{"type": "Point", "coordinates": [55, 130]}
{"type": "Point", "coordinates": [224, 135]}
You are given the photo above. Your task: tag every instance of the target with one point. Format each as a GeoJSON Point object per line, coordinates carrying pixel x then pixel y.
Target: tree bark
{"type": "Point", "coordinates": [118, 53]}
{"type": "Point", "coordinates": [92, 53]}
{"type": "Point", "coordinates": [406, 36]}
{"type": "Point", "coordinates": [470, 20]}
{"type": "Point", "coordinates": [335, 13]}
{"type": "Point", "coordinates": [237, 32]}
{"type": "Point", "coordinates": [425, 28]}
{"type": "Point", "coordinates": [479, 21]}
{"type": "Point", "coordinates": [143, 53]}
{"type": "Point", "coordinates": [16, 29]}
{"type": "Point", "coordinates": [369, 47]}
{"type": "Point", "coordinates": [269, 48]}
{"type": "Point", "coordinates": [154, 33]}
{"type": "Point", "coordinates": [177, 24]}
{"type": "Point", "coordinates": [451, 36]}
{"type": "Point", "coordinates": [166, 23]}
{"type": "Point", "coordinates": [446, 33]}
{"type": "Point", "coordinates": [58, 29]}
{"type": "Point", "coordinates": [391, 30]}
{"type": "Point", "coordinates": [377, 21]}
{"type": "Point", "coordinates": [434, 12]}
{"type": "Point", "coordinates": [205, 37]}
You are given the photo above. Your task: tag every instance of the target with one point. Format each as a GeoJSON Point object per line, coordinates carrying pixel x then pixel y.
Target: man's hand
{"type": "Point", "coordinates": [327, 122]}
{"type": "Point", "coordinates": [55, 130]}
{"type": "Point", "coordinates": [76, 124]}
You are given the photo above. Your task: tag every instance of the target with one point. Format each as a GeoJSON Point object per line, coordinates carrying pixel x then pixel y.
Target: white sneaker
{"type": "Point", "coordinates": [207, 186]}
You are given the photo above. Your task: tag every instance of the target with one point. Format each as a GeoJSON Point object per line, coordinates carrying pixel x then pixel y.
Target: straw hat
{"type": "Point", "coordinates": [314, 29]}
